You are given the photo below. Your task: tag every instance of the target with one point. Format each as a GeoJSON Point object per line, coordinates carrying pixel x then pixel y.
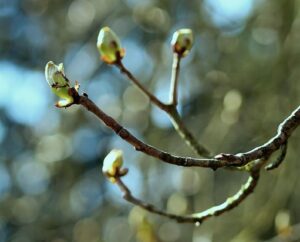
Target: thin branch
{"type": "Point", "coordinates": [152, 98]}
{"type": "Point", "coordinates": [279, 159]}
{"type": "Point", "coordinates": [285, 130]}
{"type": "Point", "coordinates": [230, 202]}
{"type": "Point", "coordinates": [187, 136]}
{"type": "Point", "coordinates": [196, 218]}
{"type": "Point", "coordinates": [174, 79]}
{"type": "Point", "coordinates": [147, 206]}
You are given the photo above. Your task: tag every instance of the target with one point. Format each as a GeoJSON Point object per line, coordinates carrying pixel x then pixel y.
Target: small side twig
{"type": "Point", "coordinates": [279, 159]}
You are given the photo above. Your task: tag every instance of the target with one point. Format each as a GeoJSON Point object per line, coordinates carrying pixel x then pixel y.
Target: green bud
{"type": "Point", "coordinates": [59, 84]}
{"type": "Point", "coordinates": [182, 41]}
{"type": "Point", "coordinates": [109, 46]}
{"type": "Point", "coordinates": [112, 164]}
{"type": "Point", "coordinates": [55, 75]}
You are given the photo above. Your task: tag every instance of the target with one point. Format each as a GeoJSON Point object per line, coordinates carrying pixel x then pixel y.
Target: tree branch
{"type": "Point", "coordinates": [230, 202]}
{"type": "Point", "coordinates": [127, 195]}
{"type": "Point", "coordinates": [143, 147]}
{"type": "Point", "coordinates": [285, 130]}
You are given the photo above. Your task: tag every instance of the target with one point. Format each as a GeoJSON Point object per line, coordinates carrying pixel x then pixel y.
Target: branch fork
{"type": "Point", "coordinates": [252, 161]}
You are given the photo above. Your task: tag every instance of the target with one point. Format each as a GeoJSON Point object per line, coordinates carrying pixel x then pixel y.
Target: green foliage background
{"type": "Point", "coordinates": [240, 81]}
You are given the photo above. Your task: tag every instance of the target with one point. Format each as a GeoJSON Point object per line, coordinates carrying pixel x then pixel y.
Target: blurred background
{"type": "Point", "coordinates": [238, 83]}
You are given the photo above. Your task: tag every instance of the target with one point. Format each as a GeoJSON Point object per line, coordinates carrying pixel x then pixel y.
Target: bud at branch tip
{"type": "Point", "coordinates": [58, 83]}
{"type": "Point", "coordinates": [112, 165]}
{"type": "Point", "coordinates": [182, 41]}
{"type": "Point", "coordinates": [109, 46]}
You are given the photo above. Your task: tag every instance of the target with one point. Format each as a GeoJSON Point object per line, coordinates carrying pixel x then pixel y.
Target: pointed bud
{"type": "Point", "coordinates": [109, 46]}
{"type": "Point", "coordinates": [182, 41]}
{"type": "Point", "coordinates": [112, 165]}
{"type": "Point", "coordinates": [59, 84]}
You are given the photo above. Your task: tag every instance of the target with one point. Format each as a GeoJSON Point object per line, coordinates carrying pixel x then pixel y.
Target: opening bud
{"type": "Point", "coordinates": [182, 41]}
{"type": "Point", "coordinates": [109, 46]}
{"type": "Point", "coordinates": [59, 84]}
{"type": "Point", "coordinates": [112, 165]}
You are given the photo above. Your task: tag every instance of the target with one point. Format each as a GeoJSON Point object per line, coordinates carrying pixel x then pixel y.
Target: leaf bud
{"type": "Point", "coordinates": [182, 41]}
{"type": "Point", "coordinates": [59, 84]}
{"type": "Point", "coordinates": [109, 46]}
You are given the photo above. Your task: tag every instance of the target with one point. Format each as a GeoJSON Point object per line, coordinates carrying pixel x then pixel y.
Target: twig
{"type": "Point", "coordinates": [186, 135]}
{"type": "Point", "coordinates": [152, 98]}
{"type": "Point", "coordinates": [279, 159]}
{"type": "Point", "coordinates": [147, 206]}
{"type": "Point", "coordinates": [285, 130]}
{"type": "Point", "coordinates": [174, 79]}
{"type": "Point", "coordinates": [196, 218]}
{"type": "Point", "coordinates": [231, 202]}
{"type": "Point", "coordinates": [179, 126]}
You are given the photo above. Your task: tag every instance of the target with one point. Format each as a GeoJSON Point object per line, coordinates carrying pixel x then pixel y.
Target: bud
{"type": "Point", "coordinates": [55, 75]}
{"type": "Point", "coordinates": [182, 41]}
{"type": "Point", "coordinates": [112, 165]}
{"type": "Point", "coordinates": [109, 46]}
{"type": "Point", "coordinates": [59, 84]}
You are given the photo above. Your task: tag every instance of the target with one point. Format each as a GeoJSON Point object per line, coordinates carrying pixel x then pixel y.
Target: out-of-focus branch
{"type": "Point", "coordinates": [292, 235]}
{"type": "Point", "coordinates": [179, 126]}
